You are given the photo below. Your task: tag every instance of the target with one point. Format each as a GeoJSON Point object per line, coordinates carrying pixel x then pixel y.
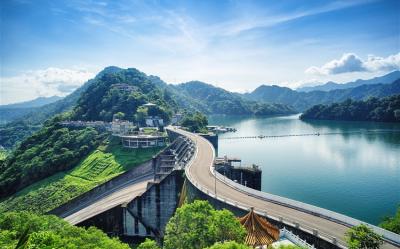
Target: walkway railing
{"type": "Point", "coordinates": [294, 238]}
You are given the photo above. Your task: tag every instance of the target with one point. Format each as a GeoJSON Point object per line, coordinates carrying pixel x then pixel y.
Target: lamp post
{"type": "Point", "coordinates": [215, 181]}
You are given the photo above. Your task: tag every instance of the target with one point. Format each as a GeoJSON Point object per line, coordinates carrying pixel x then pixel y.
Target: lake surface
{"type": "Point", "coordinates": [356, 174]}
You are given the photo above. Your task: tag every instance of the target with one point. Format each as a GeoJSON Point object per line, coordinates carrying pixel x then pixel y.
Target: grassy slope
{"type": "Point", "coordinates": [106, 162]}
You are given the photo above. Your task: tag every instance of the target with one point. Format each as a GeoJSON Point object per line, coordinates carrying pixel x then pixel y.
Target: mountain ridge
{"type": "Point", "coordinates": [330, 85]}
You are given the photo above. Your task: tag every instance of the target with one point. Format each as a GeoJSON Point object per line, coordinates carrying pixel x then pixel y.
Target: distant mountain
{"type": "Point", "coordinates": [385, 79]}
{"type": "Point", "coordinates": [12, 112]}
{"type": "Point", "coordinates": [41, 101]}
{"type": "Point", "coordinates": [206, 98]}
{"type": "Point", "coordinates": [304, 100]}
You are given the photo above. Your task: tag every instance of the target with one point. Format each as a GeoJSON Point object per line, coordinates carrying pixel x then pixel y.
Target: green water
{"type": "Point", "coordinates": [356, 174]}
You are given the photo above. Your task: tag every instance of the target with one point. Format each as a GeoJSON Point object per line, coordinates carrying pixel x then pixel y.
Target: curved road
{"type": "Point", "coordinates": [115, 197]}
{"type": "Point", "coordinates": [199, 173]}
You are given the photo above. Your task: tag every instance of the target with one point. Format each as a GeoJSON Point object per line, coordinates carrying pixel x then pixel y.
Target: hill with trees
{"type": "Point", "coordinates": [116, 90]}
{"type": "Point", "coordinates": [304, 100]}
{"type": "Point", "coordinates": [373, 109]}
{"type": "Point", "coordinates": [214, 100]}
{"type": "Point", "coordinates": [50, 150]}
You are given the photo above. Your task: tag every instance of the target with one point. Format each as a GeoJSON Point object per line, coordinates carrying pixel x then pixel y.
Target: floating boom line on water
{"type": "Point", "coordinates": [313, 134]}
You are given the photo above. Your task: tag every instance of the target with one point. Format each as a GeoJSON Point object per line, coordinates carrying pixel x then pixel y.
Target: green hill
{"type": "Point", "coordinates": [99, 100]}
{"type": "Point", "coordinates": [304, 100]}
{"type": "Point", "coordinates": [105, 162]}
{"type": "Point", "coordinates": [373, 109]}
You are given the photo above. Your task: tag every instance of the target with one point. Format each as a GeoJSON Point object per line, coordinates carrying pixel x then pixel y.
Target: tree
{"type": "Point", "coordinates": [119, 115]}
{"type": "Point", "coordinates": [228, 245]}
{"type": "Point", "coordinates": [392, 223]}
{"type": "Point", "coordinates": [29, 230]}
{"type": "Point", "coordinates": [195, 122]}
{"type": "Point", "coordinates": [363, 237]}
{"type": "Point", "coordinates": [141, 114]}
{"type": "Point", "coordinates": [148, 244]}
{"type": "Point", "coordinates": [199, 225]}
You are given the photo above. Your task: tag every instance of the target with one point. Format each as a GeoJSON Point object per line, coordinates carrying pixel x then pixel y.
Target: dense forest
{"type": "Point", "coordinates": [215, 100]}
{"type": "Point", "coordinates": [50, 150]}
{"type": "Point", "coordinates": [27, 230]}
{"type": "Point", "coordinates": [373, 109]}
{"type": "Point", "coordinates": [196, 122]}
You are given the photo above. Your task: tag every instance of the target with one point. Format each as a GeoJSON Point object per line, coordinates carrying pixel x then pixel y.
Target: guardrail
{"type": "Point", "coordinates": [293, 237]}
{"type": "Point", "coordinates": [317, 211]}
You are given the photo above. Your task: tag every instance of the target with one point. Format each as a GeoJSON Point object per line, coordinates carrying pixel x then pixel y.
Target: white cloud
{"type": "Point", "coordinates": [352, 63]}
{"type": "Point", "coordinates": [41, 83]}
{"type": "Point", "coordinates": [389, 63]}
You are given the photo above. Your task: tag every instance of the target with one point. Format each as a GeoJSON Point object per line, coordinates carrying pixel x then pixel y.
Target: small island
{"type": "Point", "coordinates": [373, 109]}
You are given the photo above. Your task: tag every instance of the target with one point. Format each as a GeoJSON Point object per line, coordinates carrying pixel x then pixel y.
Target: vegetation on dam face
{"type": "Point", "coordinates": [105, 162]}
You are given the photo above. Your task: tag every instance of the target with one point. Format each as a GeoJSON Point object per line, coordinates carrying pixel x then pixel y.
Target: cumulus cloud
{"type": "Point", "coordinates": [42, 83]}
{"type": "Point", "coordinates": [352, 63]}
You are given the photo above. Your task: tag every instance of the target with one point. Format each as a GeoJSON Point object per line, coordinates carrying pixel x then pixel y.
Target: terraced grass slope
{"type": "Point", "coordinates": [107, 161]}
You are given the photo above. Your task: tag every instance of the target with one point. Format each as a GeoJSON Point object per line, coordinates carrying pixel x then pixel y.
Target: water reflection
{"type": "Point", "coordinates": [357, 174]}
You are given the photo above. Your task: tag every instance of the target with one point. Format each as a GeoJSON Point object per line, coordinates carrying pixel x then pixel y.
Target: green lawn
{"type": "Point", "coordinates": [3, 154]}
{"type": "Point", "coordinates": [104, 163]}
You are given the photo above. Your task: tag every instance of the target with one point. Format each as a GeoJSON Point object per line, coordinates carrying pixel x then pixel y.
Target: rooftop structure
{"type": "Point", "coordinates": [149, 104]}
{"type": "Point", "coordinates": [125, 87]}
{"type": "Point", "coordinates": [176, 118]}
{"type": "Point", "coordinates": [259, 231]}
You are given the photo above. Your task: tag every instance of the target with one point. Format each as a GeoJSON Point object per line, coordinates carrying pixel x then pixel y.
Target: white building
{"type": "Point", "coordinates": [122, 127]}
{"type": "Point", "coordinates": [143, 141]}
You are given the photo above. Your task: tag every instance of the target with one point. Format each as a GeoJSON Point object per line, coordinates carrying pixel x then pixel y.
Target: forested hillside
{"type": "Point", "coordinates": [304, 100]}
{"type": "Point", "coordinates": [214, 100]}
{"type": "Point", "coordinates": [99, 100]}
{"type": "Point", "coordinates": [52, 149]}
{"type": "Point", "coordinates": [373, 109]}
{"type": "Point", "coordinates": [122, 91]}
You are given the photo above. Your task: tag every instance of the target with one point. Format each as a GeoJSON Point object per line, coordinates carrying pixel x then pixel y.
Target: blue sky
{"type": "Point", "coordinates": [52, 47]}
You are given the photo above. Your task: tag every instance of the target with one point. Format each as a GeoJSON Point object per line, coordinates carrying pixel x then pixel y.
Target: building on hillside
{"type": "Point", "coordinates": [122, 127]}
{"type": "Point", "coordinates": [154, 121]}
{"type": "Point", "coordinates": [260, 232]}
{"type": "Point", "coordinates": [143, 141]}
{"type": "Point", "coordinates": [176, 118]}
{"type": "Point", "coordinates": [125, 87]}
{"type": "Point", "coordinates": [149, 105]}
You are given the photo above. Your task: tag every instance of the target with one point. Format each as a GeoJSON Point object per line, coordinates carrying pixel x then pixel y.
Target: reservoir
{"type": "Point", "coordinates": [351, 168]}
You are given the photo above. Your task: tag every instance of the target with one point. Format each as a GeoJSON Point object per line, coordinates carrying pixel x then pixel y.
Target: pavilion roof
{"type": "Point", "coordinates": [259, 231]}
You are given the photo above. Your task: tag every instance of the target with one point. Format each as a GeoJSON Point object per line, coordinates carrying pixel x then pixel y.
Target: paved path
{"type": "Point", "coordinates": [199, 172]}
{"type": "Point", "coordinates": [108, 200]}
